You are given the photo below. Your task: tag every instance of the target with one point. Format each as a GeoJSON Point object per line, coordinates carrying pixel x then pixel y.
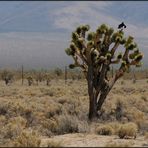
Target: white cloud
{"type": "Point", "coordinates": [92, 13]}
{"type": "Point", "coordinates": [79, 12]}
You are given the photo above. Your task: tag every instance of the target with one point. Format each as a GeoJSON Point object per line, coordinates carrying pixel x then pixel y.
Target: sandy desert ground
{"type": "Point", "coordinates": [56, 115]}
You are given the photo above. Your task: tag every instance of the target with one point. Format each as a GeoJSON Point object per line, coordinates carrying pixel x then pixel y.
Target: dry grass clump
{"type": "Point", "coordinates": [146, 136]}
{"type": "Point", "coordinates": [83, 127]}
{"type": "Point", "coordinates": [136, 116]}
{"type": "Point", "coordinates": [27, 139]}
{"type": "Point", "coordinates": [2, 120]}
{"type": "Point", "coordinates": [122, 82]}
{"type": "Point", "coordinates": [56, 91]}
{"type": "Point", "coordinates": [104, 130]}
{"type": "Point", "coordinates": [115, 126]}
{"type": "Point", "coordinates": [128, 130]}
{"type": "Point", "coordinates": [115, 144]}
{"type": "Point", "coordinates": [144, 98]}
{"type": "Point", "coordinates": [62, 100]}
{"type": "Point", "coordinates": [53, 109]}
{"type": "Point", "coordinates": [14, 108]}
{"type": "Point", "coordinates": [54, 144]}
{"type": "Point", "coordinates": [119, 111]}
{"type": "Point", "coordinates": [14, 127]}
{"type": "Point", "coordinates": [53, 125]}
{"type": "Point", "coordinates": [67, 124]}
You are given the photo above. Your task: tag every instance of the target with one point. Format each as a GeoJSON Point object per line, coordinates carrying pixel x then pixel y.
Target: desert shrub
{"type": "Point", "coordinates": [3, 122]}
{"type": "Point", "coordinates": [27, 139]}
{"type": "Point", "coordinates": [51, 125]}
{"type": "Point", "coordinates": [136, 116]}
{"type": "Point", "coordinates": [119, 109]}
{"type": "Point", "coordinates": [144, 98]}
{"type": "Point", "coordinates": [62, 100]}
{"type": "Point", "coordinates": [115, 126]}
{"type": "Point", "coordinates": [143, 127]}
{"type": "Point", "coordinates": [67, 124]}
{"type": "Point", "coordinates": [2, 119]}
{"type": "Point", "coordinates": [16, 108]}
{"type": "Point", "coordinates": [134, 81]}
{"type": "Point", "coordinates": [128, 130]}
{"type": "Point", "coordinates": [83, 127]}
{"type": "Point", "coordinates": [48, 92]}
{"type": "Point", "coordinates": [146, 136]}
{"type": "Point", "coordinates": [3, 110]}
{"type": "Point", "coordinates": [104, 130]}
{"type": "Point", "coordinates": [72, 107]}
{"type": "Point", "coordinates": [122, 82]}
{"type": "Point", "coordinates": [14, 127]}
{"type": "Point", "coordinates": [53, 110]}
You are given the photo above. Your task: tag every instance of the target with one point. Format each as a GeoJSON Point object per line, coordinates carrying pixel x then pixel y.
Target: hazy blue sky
{"type": "Point", "coordinates": [36, 33]}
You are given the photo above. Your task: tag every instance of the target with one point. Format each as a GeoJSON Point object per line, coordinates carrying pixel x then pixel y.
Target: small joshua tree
{"type": "Point", "coordinates": [58, 71]}
{"type": "Point", "coordinates": [7, 76]}
{"type": "Point", "coordinates": [48, 79]}
{"type": "Point", "coordinates": [30, 80]}
{"type": "Point", "coordinates": [39, 77]}
{"type": "Point", "coordinates": [95, 54]}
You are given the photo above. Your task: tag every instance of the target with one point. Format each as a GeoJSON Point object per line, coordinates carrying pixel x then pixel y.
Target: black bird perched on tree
{"type": "Point", "coordinates": [121, 25]}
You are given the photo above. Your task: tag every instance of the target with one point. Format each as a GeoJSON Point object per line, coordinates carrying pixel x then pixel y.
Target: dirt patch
{"type": "Point", "coordinates": [92, 140]}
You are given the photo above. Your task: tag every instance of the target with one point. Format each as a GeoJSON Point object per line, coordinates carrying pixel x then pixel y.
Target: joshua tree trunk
{"type": "Point", "coordinates": [92, 107]}
{"type": "Point", "coordinates": [6, 81]}
{"type": "Point", "coordinates": [96, 101]}
{"type": "Point", "coordinates": [92, 99]}
{"type": "Point", "coordinates": [99, 91]}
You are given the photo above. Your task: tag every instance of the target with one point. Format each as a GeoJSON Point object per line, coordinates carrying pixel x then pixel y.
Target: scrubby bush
{"type": "Point", "coordinates": [122, 82]}
{"type": "Point", "coordinates": [27, 139]}
{"type": "Point", "coordinates": [53, 110]}
{"type": "Point", "coordinates": [128, 130]}
{"type": "Point", "coordinates": [67, 124]}
{"type": "Point", "coordinates": [14, 127]}
{"type": "Point", "coordinates": [119, 109]}
{"type": "Point", "coordinates": [115, 126]}
{"type": "Point", "coordinates": [146, 136]}
{"type": "Point", "coordinates": [104, 130]}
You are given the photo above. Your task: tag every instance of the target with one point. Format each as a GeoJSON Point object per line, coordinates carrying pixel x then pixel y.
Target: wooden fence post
{"type": "Point", "coordinates": [65, 74]}
{"type": "Point", "coordinates": [22, 72]}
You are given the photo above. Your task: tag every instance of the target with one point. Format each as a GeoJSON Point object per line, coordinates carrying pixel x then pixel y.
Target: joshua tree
{"type": "Point", "coordinates": [39, 77]}
{"type": "Point", "coordinates": [48, 79]}
{"type": "Point", "coordinates": [30, 80]}
{"type": "Point", "coordinates": [94, 53]}
{"type": "Point", "coordinates": [7, 76]}
{"type": "Point", "coordinates": [58, 71]}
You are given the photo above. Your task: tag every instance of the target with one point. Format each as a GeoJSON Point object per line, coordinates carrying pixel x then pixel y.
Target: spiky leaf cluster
{"type": "Point", "coordinates": [93, 48]}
